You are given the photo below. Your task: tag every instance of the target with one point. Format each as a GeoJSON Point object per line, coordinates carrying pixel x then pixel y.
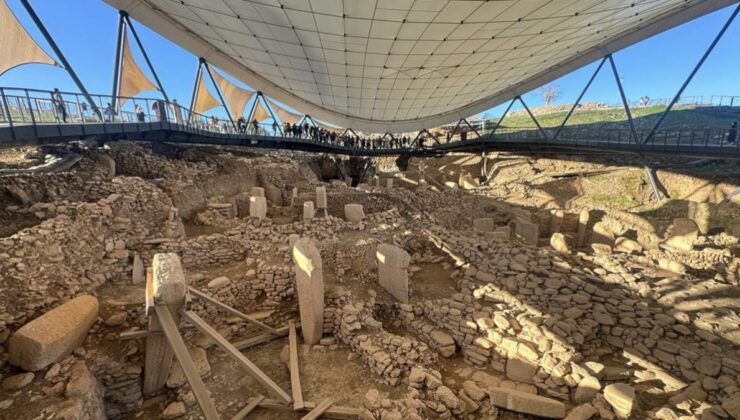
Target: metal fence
{"type": "Point", "coordinates": [37, 107]}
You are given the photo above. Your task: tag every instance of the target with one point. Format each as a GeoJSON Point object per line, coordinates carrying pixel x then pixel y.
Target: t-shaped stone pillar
{"type": "Point", "coordinates": [310, 284]}
{"type": "Point", "coordinates": [308, 211]}
{"type": "Point", "coordinates": [393, 263]}
{"type": "Point", "coordinates": [257, 207]}
{"type": "Point", "coordinates": [321, 202]}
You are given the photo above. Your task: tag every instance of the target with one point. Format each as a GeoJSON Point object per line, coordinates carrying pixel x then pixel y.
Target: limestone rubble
{"type": "Point", "coordinates": [433, 299]}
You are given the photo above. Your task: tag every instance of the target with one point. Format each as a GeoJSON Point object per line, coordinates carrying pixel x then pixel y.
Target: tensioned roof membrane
{"type": "Point", "coordinates": [403, 65]}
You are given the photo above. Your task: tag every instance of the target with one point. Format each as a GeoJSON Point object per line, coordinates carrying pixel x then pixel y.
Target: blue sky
{"type": "Point", "coordinates": [85, 30]}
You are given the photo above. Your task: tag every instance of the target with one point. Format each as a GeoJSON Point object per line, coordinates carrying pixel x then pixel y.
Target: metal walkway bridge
{"type": "Point", "coordinates": [31, 117]}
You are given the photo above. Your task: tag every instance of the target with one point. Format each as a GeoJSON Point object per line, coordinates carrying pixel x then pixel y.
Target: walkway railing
{"type": "Point", "coordinates": [32, 107]}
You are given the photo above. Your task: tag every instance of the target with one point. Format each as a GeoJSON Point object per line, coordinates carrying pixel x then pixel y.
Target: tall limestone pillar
{"type": "Point", "coordinates": [310, 285]}
{"type": "Point", "coordinates": [393, 263]}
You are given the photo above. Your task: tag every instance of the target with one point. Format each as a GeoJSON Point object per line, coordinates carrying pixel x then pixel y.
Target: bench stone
{"type": "Point", "coordinates": [54, 335]}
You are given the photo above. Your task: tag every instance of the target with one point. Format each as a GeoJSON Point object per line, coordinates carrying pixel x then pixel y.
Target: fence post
{"type": "Point", "coordinates": [30, 111]}
{"type": "Point", "coordinates": [165, 286]}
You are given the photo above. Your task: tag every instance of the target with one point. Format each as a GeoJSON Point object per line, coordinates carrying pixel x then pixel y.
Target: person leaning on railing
{"type": "Point", "coordinates": [59, 105]}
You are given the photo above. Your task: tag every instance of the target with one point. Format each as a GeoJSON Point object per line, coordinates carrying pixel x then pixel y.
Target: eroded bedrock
{"type": "Point", "coordinates": [556, 288]}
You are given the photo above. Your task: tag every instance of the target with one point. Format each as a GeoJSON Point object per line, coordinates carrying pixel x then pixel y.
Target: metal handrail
{"type": "Point", "coordinates": [22, 106]}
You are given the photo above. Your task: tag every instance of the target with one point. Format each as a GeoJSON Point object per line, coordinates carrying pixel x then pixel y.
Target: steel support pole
{"type": "Point", "coordinates": [471, 127]}
{"type": "Point", "coordinates": [208, 70]}
{"type": "Point", "coordinates": [454, 130]}
{"type": "Point", "coordinates": [61, 56]}
{"type": "Point", "coordinates": [195, 90]}
{"type": "Point", "coordinates": [580, 97]}
{"type": "Point", "coordinates": [653, 182]}
{"type": "Point", "coordinates": [624, 99]}
{"type": "Point", "coordinates": [267, 105]}
{"type": "Point", "coordinates": [693, 73]}
{"type": "Point", "coordinates": [498, 124]}
{"type": "Point", "coordinates": [117, 61]}
{"type": "Point", "coordinates": [539, 127]}
{"type": "Point", "coordinates": [146, 56]}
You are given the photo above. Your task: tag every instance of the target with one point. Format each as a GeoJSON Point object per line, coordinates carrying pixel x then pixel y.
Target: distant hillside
{"type": "Point", "coordinates": [645, 117]}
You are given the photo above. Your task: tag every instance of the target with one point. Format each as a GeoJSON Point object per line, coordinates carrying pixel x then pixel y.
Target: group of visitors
{"type": "Point", "coordinates": [346, 139]}
{"type": "Point", "coordinates": [298, 131]}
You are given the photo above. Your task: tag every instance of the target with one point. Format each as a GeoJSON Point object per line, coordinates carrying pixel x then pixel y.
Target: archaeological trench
{"type": "Point", "coordinates": [147, 281]}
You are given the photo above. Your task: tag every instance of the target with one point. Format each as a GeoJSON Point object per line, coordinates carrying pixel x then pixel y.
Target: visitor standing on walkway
{"type": "Point", "coordinates": [59, 106]}
{"type": "Point", "coordinates": [109, 112]}
{"type": "Point", "coordinates": [139, 113]}
{"type": "Point", "coordinates": [732, 134]}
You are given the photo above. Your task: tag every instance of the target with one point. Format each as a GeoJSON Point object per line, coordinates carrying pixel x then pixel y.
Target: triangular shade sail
{"type": "Point", "coordinates": [260, 113]}
{"type": "Point", "coordinates": [133, 80]}
{"type": "Point", "coordinates": [204, 101]}
{"type": "Point", "coordinates": [284, 114]}
{"type": "Point", "coordinates": [235, 96]}
{"type": "Point", "coordinates": [16, 45]}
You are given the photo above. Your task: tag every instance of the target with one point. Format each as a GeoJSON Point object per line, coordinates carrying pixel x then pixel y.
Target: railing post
{"type": "Point", "coordinates": [6, 108]}
{"type": "Point", "coordinates": [30, 111]}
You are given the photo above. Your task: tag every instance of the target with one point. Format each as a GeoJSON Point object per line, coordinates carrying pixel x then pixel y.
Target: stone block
{"type": "Point", "coordinates": [308, 211]}
{"type": "Point", "coordinates": [483, 224]}
{"type": "Point", "coordinates": [257, 192]}
{"type": "Point", "coordinates": [682, 234]}
{"type": "Point", "coordinates": [354, 212]}
{"type": "Point", "coordinates": [521, 402]}
{"type": "Point", "coordinates": [521, 370]}
{"type": "Point", "coordinates": [527, 231]}
{"type": "Point", "coordinates": [310, 285]}
{"type": "Point", "coordinates": [257, 207]}
{"type": "Point", "coordinates": [348, 181]}
{"type": "Point", "coordinates": [622, 399]}
{"type": "Point", "coordinates": [321, 202]}
{"type": "Point", "coordinates": [559, 243]}
{"type": "Point", "coordinates": [389, 182]}
{"type": "Point", "coordinates": [393, 263]}
{"type": "Point", "coordinates": [138, 272]}
{"type": "Point", "coordinates": [54, 335]}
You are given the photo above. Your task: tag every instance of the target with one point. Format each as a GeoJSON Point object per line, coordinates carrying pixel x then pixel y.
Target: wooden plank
{"type": "Point", "coordinates": [263, 338]}
{"type": "Point", "coordinates": [230, 310]}
{"type": "Point", "coordinates": [333, 412]}
{"type": "Point", "coordinates": [295, 377]}
{"type": "Point", "coordinates": [318, 410]}
{"type": "Point", "coordinates": [186, 362]}
{"type": "Point", "coordinates": [251, 405]}
{"type": "Point", "coordinates": [232, 351]}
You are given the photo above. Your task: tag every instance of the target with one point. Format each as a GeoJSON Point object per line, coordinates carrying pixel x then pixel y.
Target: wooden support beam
{"type": "Point", "coordinates": [295, 377]}
{"type": "Point", "coordinates": [251, 405]}
{"type": "Point", "coordinates": [262, 338]}
{"type": "Point", "coordinates": [333, 412]}
{"type": "Point", "coordinates": [318, 410]}
{"type": "Point", "coordinates": [186, 362]}
{"type": "Point", "coordinates": [232, 351]}
{"type": "Point", "coordinates": [230, 310]}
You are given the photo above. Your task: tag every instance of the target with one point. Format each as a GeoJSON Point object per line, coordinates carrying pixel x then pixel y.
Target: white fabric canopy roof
{"type": "Point", "coordinates": [402, 65]}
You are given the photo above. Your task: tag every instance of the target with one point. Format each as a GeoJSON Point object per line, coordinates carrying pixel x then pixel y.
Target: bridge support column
{"type": "Point", "coordinates": [653, 180]}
